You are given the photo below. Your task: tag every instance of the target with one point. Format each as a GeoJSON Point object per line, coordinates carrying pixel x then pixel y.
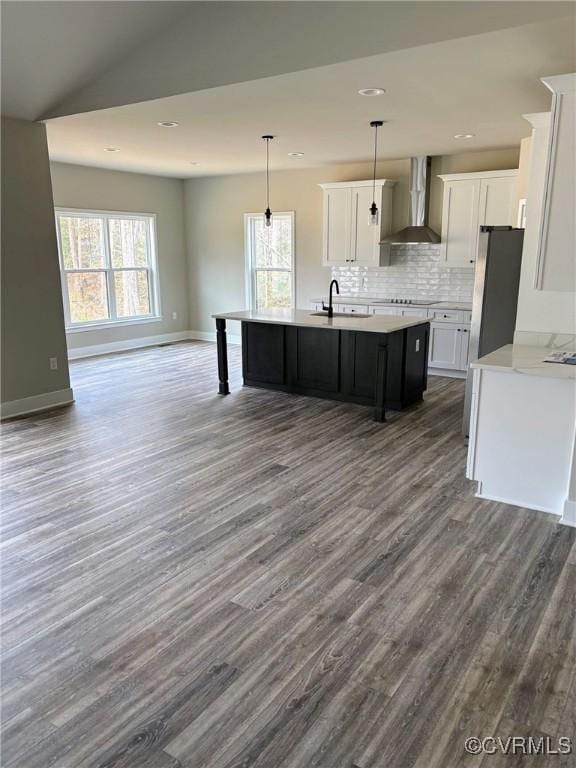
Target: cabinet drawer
{"type": "Point", "coordinates": [445, 315]}
{"type": "Point", "coordinates": [363, 308]}
{"type": "Point", "coordinates": [385, 310]}
{"type": "Point", "coordinates": [414, 313]}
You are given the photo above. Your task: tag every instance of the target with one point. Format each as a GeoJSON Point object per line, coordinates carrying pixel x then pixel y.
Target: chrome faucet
{"type": "Point", "coordinates": [330, 308]}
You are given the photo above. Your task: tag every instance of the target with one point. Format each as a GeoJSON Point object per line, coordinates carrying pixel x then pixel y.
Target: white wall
{"type": "Point", "coordinates": [542, 315]}
{"type": "Point", "coordinates": [77, 186]}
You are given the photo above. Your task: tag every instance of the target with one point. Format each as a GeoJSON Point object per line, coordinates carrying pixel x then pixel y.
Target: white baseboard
{"type": "Point", "coordinates": [44, 402]}
{"type": "Point", "coordinates": [127, 344]}
{"type": "Point", "coordinates": [569, 516]}
{"type": "Point", "coordinates": [231, 338]}
{"type": "Point", "coordinates": [449, 372]}
{"type": "Point", "coordinates": [515, 502]}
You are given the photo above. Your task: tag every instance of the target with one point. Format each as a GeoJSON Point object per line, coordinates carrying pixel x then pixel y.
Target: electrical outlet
{"type": "Point", "coordinates": [53, 363]}
{"type": "Point", "coordinates": [417, 345]}
{"type": "Point", "coordinates": [174, 315]}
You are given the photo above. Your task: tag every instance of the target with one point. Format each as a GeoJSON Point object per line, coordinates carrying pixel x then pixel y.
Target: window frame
{"type": "Point", "coordinates": [109, 271]}
{"type": "Point", "coordinates": [251, 269]}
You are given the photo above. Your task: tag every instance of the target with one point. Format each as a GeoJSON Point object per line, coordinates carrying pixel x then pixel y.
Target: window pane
{"type": "Point", "coordinates": [128, 246]}
{"type": "Point", "coordinates": [82, 241]}
{"type": "Point", "coordinates": [273, 289]}
{"type": "Point", "coordinates": [88, 296]}
{"type": "Point", "coordinates": [273, 245]}
{"type": "Point", "coordinates": [132, 293]}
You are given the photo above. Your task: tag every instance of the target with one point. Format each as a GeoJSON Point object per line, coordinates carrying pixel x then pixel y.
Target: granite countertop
{"type": "Point", "coordinates": [525, 359]}
{"type": "Point", "coordinates": [304, 318]}
{"type": "Point", "coordinates": [367, 300]}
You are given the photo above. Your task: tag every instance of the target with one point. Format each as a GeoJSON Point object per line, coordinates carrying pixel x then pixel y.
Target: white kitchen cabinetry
{"type": "Point", "coordinates": [556, 265]}
{"type": "Point", "coordinates": [448, 347]}
{"type": "Point", "coordinates": [471, 200]}
{"type": "Point", "coordinates": [348, 238]}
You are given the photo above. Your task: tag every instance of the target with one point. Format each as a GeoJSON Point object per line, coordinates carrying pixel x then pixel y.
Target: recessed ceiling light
{"type": "Point", "coordinates": [111, 149]}
{"type": "Point", "coordinates": [371, 91]}
{"type": "Point", "coordinates": [463, 135]}
{"type": "Point", "coordinates": [295, 154]}
{"type": "Point", "coordinates": [167, 124]}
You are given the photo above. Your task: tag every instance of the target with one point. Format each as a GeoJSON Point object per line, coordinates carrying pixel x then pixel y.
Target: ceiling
{"type": "Point", "coordinates": [52, 49]}
{"type": "Point", "coordinates": [480, 84]}
{"type": "Point", "coordinates": [62, 58]}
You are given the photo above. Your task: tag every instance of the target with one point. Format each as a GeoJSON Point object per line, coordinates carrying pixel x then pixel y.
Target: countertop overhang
{"type": "Point", "coordinates": [305, 319]}
{"type": "Point", "coordinates": [525, 359]}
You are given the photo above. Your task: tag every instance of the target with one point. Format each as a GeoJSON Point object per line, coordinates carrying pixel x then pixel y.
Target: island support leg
{"type": "Point", "coordinates": [222, 348]}
{"type": "Point", "coordinates": [382, 369]}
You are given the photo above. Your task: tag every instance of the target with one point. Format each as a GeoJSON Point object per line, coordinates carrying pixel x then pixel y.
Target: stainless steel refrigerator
{"type": "Point", "coordinates": [495, 299]}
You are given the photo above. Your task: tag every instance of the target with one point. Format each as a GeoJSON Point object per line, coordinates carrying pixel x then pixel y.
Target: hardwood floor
{"type": "Point", "coordinates": [268, 580]}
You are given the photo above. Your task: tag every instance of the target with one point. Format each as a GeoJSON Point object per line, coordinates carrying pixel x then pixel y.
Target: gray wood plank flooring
{"type": "Point", "coordinates": [268, 581]}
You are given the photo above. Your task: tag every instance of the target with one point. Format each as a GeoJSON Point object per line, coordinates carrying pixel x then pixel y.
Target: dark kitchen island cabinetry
{"type": "Point", "coordinates": [379, 361]}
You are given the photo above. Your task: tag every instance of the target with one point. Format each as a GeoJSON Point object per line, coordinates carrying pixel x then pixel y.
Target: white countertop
{"type": "Point", "coordinates": [305, 319]}
{"type": "Point", "coordinates": [367, 300]}
{"type": "Point", "coordinates": [525, 359]}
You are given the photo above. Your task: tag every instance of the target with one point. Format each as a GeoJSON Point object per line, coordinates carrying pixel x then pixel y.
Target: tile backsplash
{"type": "Point", "coordinates": [416, 272]}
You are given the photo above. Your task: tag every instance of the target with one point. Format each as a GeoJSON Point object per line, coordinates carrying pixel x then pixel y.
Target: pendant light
{"type": "Point", "coordinates": [268, 212]}
{"type": "Point", "coordinates": [373, 216]}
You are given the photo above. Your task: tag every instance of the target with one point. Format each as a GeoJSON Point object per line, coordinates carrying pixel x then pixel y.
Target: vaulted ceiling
{"type": "Point", "coordinates": [103, 74]}
{"type": "Point", "coordinates": [62, 58]}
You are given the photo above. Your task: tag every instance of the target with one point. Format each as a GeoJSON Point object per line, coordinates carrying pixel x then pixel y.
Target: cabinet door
{"type": "Point", "coordinates": [313, 358]}
{"type": "Point", "coordinates": [497, 202]}
{"type": "Point", "coordinates": [465, 349]}
{"type": "Point", "coordinates": [336, 227]}
{"type": "Point", "coordinates": [365, 248]}
{"type": "Point", "coordinates": [445, 348]}
{"type": "Point", "coordinates": [460, 221]}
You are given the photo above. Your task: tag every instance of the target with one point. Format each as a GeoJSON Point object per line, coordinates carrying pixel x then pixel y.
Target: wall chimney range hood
{"type": "Point", "coordinates": [418, 230]}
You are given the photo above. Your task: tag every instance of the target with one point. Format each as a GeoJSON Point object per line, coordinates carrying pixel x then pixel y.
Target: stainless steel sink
{"type": "Point", "coordinates": [341, 314]}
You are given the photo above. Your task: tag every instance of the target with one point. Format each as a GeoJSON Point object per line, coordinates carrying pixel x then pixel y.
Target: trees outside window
{"type": "Point", "coordinates": [108, 266]}
{"type": "Point", "coordinates": [270, 261]}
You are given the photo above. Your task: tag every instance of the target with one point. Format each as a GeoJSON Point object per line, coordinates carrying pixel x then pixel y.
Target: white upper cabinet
{"type": "Point", "coordinates": [498, 202]}
{"type": "Point", "coordinates": [348, 238]}
{"type": "Point", "coordinates": [337, 215]}
{"type": "Point", "coordinates": [556, 264]}
{"type": "Point", "coordinates": [471, 200]}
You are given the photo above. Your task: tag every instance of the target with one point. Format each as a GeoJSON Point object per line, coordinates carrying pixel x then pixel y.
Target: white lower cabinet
{"type": "Point", "coordinates": [448, 347]}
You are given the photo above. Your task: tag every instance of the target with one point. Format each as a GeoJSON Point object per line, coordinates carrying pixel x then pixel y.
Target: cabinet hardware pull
{"type": "Point", "coordinates": [459, 330]}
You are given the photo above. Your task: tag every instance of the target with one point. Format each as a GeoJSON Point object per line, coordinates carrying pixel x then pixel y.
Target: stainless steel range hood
{"type": "Point", "coordinates": [418, 231]}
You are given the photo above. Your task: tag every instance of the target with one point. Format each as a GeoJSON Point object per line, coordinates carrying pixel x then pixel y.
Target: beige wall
{"type": "Point", "coordinates": [32, 313]}
{"type": "Point", "coordinates": [215, 207]}
{"type": "Point", "coordinates": [77, 186]}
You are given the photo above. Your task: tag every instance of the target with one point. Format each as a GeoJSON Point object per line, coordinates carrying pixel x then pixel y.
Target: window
{"type": "Point", "coordinates": [108, 267]}
{"type": "Point", "coordinates": [270, 261]}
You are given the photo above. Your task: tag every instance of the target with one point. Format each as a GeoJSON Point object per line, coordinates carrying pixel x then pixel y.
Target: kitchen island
{"type": "Point", "coordinates": [374, 360]}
